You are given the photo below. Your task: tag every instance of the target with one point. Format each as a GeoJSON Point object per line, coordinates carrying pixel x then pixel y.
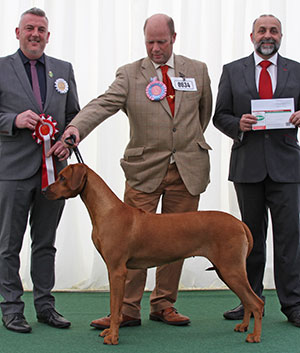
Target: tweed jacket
{"type": "Point", "coordinates": [154, 134]}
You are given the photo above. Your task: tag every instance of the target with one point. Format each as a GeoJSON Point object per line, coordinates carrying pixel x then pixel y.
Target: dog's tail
{"type": "Point", "coordinates": [249, 237]}
{"type": "Point", "coordinates": [214, 268]}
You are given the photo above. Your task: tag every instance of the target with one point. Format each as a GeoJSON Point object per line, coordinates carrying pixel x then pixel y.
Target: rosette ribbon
{"type": "Point", "coordinates": [156, 90]}
{"type": "Point", "coordinates": [44, 134]}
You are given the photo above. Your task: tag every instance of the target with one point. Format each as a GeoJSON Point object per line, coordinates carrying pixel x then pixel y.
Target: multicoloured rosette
{"type": "Point", "coordinates": [44, 133]}
{"type": "Point", "coordinates": [156, 90]}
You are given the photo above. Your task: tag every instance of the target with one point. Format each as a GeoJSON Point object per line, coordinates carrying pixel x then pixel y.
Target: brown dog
{"type": "Point", "coordinates": [128, 237]}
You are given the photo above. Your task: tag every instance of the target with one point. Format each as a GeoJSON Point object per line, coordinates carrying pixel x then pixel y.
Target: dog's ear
{"type": "Point", "coordinates": [78, 176]}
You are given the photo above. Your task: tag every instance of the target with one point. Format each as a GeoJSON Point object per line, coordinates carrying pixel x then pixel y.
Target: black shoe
{"type": "Point", "coordinates": [238, 312]}
{"type": "Point", "coordinates": [16, 322]}
{"type": "Point", "coordinates": [53, 318]}
{"type": "Point", "coordinates": [294, 318]}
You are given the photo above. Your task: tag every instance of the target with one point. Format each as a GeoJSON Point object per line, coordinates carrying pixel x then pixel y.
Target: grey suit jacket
{"type": "Point", "coordinates": [20, 155]}
{"type": "Point", "coordinates": [154, 133]}
{"type": "Point", "coordinates": [259, 153]}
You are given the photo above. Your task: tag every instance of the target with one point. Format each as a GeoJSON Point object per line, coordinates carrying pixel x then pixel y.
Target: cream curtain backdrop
{"type": "Point", "coordinates": [98, 36]}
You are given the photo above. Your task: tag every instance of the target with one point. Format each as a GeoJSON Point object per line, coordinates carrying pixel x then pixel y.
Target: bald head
{"type": "Point", "coordinates": [159, 19]}
{"type": "Point", "coordinates": [159, 38]}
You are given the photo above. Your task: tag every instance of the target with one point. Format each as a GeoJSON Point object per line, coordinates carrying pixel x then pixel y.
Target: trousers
{"type": "Point", "coordinates": [18, 200]}
{"type": "Point", "coordinates": [174, 198]}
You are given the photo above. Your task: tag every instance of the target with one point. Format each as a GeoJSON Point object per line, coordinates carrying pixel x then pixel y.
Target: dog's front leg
{"type": "Point", "coordinates": [117, 278]}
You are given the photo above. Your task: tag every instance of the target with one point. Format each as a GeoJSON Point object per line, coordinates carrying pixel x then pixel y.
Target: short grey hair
{"type": "Point", "coordinates": [35, 11]}
{"type": "Point", "coordinates": [265, 15]}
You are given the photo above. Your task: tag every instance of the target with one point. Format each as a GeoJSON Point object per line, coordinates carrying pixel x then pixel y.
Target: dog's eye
{"type": "Point", "coordinates": [61, 178]}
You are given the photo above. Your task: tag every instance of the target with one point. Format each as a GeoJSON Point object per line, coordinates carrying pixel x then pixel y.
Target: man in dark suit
{"type": "Point", "coordinates": [167, 155]}
{"type": "Point", "coordinates": [22, 159]}
{"type": "Point", "coordinates": [265, 164]}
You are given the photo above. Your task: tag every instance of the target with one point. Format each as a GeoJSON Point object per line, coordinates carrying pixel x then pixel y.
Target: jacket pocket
{"type": "Point", "coordinates": [132, 154]}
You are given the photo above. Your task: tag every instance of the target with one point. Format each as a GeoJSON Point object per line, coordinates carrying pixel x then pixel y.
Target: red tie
{"type": "Point", "coordinates": [170, 89]}
{"type": "Point", "coordinates": [35, 84]}
{"type": "Point", "coordinates": [265, 83]}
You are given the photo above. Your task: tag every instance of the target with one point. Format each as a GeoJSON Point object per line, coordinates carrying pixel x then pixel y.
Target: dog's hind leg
{"type": "Point", "coordinates": [117, 278]}
{"type": "Point", "coordinates": [238, 282]}
{"type": "Point", "coordinates": [257, 313]}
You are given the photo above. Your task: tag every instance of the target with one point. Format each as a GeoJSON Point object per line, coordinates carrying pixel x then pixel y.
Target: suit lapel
{"type": "Point", "coordinates": [180, 70]}
{"type": "Point", "coordinates": [49, 72]}
{"type": "Point", "coordinates": [282, 76]}
{"type": "Point", "coordinates": [20, 72]}
{"type": "Point", "coordinates": [148, 71]}
{"type": "Point", "coordinates": [249, 76]}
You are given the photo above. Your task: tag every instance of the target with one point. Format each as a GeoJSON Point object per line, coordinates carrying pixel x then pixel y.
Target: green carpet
{"type": "Point", "coordinates": [207, 333]}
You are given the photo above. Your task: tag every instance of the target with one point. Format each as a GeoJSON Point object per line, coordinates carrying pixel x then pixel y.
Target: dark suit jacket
{"type": "Point", "coordinates": [20, 155]}
{"type": "Point", "coordinates": [154, 133]}
{"type": "Point", "coordinates": [258, 153]}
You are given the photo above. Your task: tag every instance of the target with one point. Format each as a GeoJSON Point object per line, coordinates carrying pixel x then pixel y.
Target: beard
{"type": "Point", "coordinates": [268, 49]}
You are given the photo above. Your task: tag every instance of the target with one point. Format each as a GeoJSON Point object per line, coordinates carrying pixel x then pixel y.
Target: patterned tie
{"type": "Point", "coordinates": [265, 83]}
{"type": "Point", "coordinates": [35, 84]}
{"type": "Point", "coordinates": [170, 89]}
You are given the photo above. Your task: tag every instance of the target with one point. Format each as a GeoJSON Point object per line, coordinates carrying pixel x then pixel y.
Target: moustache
{"type": "Point", "coordinates": [267, 41]}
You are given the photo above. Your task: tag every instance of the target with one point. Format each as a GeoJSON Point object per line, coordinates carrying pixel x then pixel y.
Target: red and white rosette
{"type": "Point", "coordinates": [44, 133]}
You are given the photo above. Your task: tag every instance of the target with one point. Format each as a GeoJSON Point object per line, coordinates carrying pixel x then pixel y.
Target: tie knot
{"type": "Point", "coordinates": [164, 68]}
{"type": "Point", "coordinates": [32, 62]}
{"type": "Point", "coordinates": [265, 64]}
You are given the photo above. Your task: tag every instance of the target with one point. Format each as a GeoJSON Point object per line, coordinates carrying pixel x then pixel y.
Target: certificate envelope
{"type": "Point", "coordinates": [272, 113]}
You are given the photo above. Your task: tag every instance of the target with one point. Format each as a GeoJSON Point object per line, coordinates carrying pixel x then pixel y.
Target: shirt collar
{"type": "Point", "coordinates": [170, 63]}
{"type": "Point", "coordinates": [272, 59]}
{"type": "Point", "coordinates": [25, 60]}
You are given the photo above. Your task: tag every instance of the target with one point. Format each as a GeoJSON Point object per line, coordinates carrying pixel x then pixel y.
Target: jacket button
{"type": "Point", "coordinates": [174, 129]}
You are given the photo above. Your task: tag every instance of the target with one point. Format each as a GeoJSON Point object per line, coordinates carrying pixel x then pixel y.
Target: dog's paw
{"type": "Point", "coordinates": [109, 337]}
{"type": "Point", "coordinates": [252, 338]}
{"type": "Point", "coordinates": [241, 328]}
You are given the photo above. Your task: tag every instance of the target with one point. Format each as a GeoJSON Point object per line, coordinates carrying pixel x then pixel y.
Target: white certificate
{"type": "Point", "coordinates": [272, 113]}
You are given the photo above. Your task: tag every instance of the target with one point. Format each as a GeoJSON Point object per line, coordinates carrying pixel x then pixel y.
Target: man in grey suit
{"type": "Point", "coordinates": [265, 164]}
{"type": "Point", "coordinates": [167, 155]}
{"type": "Point", "coordinates": [21, 160]}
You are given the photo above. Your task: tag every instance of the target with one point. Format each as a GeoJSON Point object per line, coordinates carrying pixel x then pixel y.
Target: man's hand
{"type": "Point", "coordinates": [71, 130]}
{"type": "Point", "coordinates": [295, 118]}
{"type": "Point", "coordinates": [59, 150]}
{"type": "Point", "coordinates": [246, 122]}
{"type": "Point", "coordinates": [27, 120]}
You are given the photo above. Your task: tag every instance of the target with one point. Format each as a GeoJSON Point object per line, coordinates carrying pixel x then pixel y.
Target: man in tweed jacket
{"type": "Point", "coordinates": [167, 155]}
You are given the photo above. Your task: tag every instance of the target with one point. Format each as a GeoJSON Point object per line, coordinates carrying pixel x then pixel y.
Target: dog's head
{"type": "Point", "coordinates": [69, 183]}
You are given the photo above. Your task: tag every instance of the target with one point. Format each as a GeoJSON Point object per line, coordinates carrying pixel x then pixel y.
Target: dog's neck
{"type": "Point", "coordinates": [82, 186]}
{"type": "Point", "coordinates": [104, 200]}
